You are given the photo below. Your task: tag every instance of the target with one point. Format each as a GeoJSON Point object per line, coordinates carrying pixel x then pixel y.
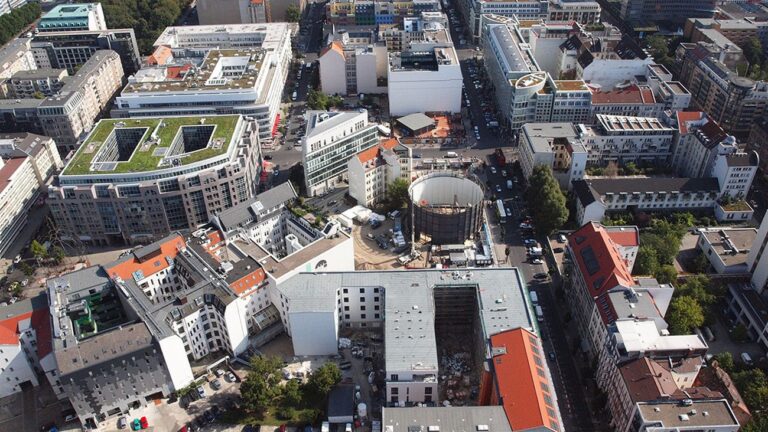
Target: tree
{"type": "Point", "coordinates": [631, 168]}
{"type": "Point", "coordinates": [684, 315]}
{"type": "Point", "coordinates": [261, 387]}
{"type": "Point", "coordinates": [322, 379]}
{"type": "Point", "coordinates": [296, 177]}
{"type": "Point", "coordinates": [38, 250]}
{"type": "Point", "coordinates": [759, 423]}
{"type": "Point", "coordinates": [666, 274]}
{"type": "Point", "coordinates": [546, 200]}
{"type": "Point", "coordinates": [647, 261]}
{"type": "Point", "coordinates": [612, 169]}
{"type": "Point", "coordinates": [725, 361]}
{"type": "Point", "coordinates": [291, 394]}
{"type": "Point", "coordinates": [753, 52]}
{"type": "Point", "coordinates": [753, 386]}
{"type": "Point", "coordinates": [700, 264]}
{"type": "Point", "coordinates": [292, 13]}
{"type": "Point", "coordinates": [397, 193]}
{"type": "Point", "coordinates": [700, 288]}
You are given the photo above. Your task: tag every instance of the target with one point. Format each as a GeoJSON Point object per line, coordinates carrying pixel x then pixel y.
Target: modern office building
{"type": "Point", "coordinates": [78, 16]}
{"type": "Point", "coordinates": [677, 11]}
{"type": "Point", "coordinates": [580, 11]}
{"type": "Point", "coordinates": [372, 171]}
{"type": "Point", "coordinates": [71, 49]}
{"type": "Point", "coordinates": [27, 164]}
{"type": "Point", "coordinates": [134, 181]}
{"type": "Point", "coordinates": [365, 12]}
{"type": "Point", "coordinates": [520, 9]}
{"type": "Point", "coordinates": [210, 70]}
{"type": "Point", "coordinates": [331, 140]}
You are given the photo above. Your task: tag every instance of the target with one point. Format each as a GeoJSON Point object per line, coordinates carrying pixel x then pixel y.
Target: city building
{"type": "Point", "coordinates": [27, 164]}
{"type": "Point", "coordinates": [366, 12]}
{"type": "Point", "coordinates": [555, 145]}
{"type": "Point", "coordinates": [758, 142]}
{"type": "Point", "coordinates": [677, 11]}
{"type": "Point", "coordinates": [6, 6]}
{"type": "Point", "coordinates": [213, 12]}
{"type": "Point", "coordinates": [36, 83]}
{"type": "Point", "coordinates": [733, 101]}
{"type": "Point", "coordinates": [425, 76]}
{"type": "Point", "coordinates": [757, 260]}
{"type": "Point", "coordinates": [738, 31]}
{"type": "Point", "coordinates": [597, 196]}
{"type": "Point", "coordinates": [331, 140]}
{"type": "Point", "coordinates": [351, 68]}
{"type": "Point", "coordinates": [105, 361]}
{"type": "Point", "coordinates": [623, 139]}
{"type": "Point", "coordinates": [680, 416]}
{"type": "Point", "coordinates": [71, 112]}
{"type": "Point", "coordinates": [71, 49]}
{"type": "Point", "coordinates": [453, 418]}
{"type": "Point", "coordinates": [520, 9]}
{"type": "Point", "coordinates": [699, 142]}
{"type": "Point", "coordinates": [16, 57]}
{"type": "Point", "coordinates": [208, 70]}
{"type": "Point", "coordinates": [78, 16]}
{"type": "Point", "coordinates": [519, 382]}
{"type": "Point", "coordinates": [727, 249]}
{"type": "Point", "coordinates": [580, 11]}
{"type": "Point", "coordinates": [25, 339]}
{"type": "Point", "coordinates": [372, 171]}
{"type": "Point", "coordinates": [524, 92]}
{"type": "Point", "coordinates": [621, 323]}
{"type": "Point", "coordinates": [134, 181]}
{"type": "Point", "coordinates": [632, 100]}
{"type": "Point", "coordinates": [474, 305]}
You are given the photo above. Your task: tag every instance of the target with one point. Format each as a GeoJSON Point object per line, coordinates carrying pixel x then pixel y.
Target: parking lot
{"type": "Point", "coordinates": [372, 247]}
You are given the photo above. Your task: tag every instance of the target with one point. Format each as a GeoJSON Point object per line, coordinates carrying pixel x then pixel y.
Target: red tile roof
{"type": "Point", "coordinates": [518, 381]}
{"type": "Point", "coordinates": [630, 95]}
{"type": "Point", "coordinates": [40, 321]}
{"type": "Point", "coordinates": [598, 259]}
{"type": "Point", "coordinates": [625, 238]}
{"type": "Point", "coordinates": [373, 152]}
{"type": "Point", "coordinates": [125, 268]}
{"type": "Point", "coordinates": [683, 117]}
{"type": "Point", "coordinates": [8, 169]}
{"type": "Point", "coordinates": [160, 56]}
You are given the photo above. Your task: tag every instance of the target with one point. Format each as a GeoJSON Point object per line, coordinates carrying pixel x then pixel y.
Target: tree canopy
{"type": "Point", "coordinates": [17, 20]}
{"type": "Point", "coordinates": [260, 387]}
{"type": "Point", "coordinates": [546, 200]}
{"type": "Point", "coordinates": [322, 379]}
{"type": "Point", "coordinates": [148, 18]}
{"type": "Point", "coordinates": [318, 100]}
{"type": "Point", "coordinates": [684, 315]}
{"type": "Point", "coordinates": [292, 13]}
{"type": "Point", "coordinates": [397, 193]}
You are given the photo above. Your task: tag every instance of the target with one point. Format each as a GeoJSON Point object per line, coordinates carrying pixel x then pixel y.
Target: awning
{"type": "Point", "coordinates": [276, 125]}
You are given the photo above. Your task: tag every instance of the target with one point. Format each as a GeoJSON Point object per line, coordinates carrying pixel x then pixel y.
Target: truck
{"type": "Point", "coordinates": [539, 314]}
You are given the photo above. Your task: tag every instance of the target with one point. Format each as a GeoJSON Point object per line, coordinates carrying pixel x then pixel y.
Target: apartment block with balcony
{"type": "Point", "coordinates": [555, 145]}
{"type": "Point", "coordinates": [71, 49]}
{"type": "Point", "coordinates": [624, 139]}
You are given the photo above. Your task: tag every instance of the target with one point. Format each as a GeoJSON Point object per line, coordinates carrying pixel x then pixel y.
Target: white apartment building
{"type": "Point", "coordinates": [521, 9]}
{"type": "Point", "coordinates": [16, 56]}
{"type": "Point", "coordinates": [555, 145]}
{"type": "Point", "coordinates": [700, 140]}
{"type": "Point", "coordinates": [676, 416]}
{"type": "Point", "coordinates": [727, 249]}
{"type": "Point", "coordinates": [735, 173]}
{"type": "Point", "coordinates": [243, 71]}
{"type": "Point", "coordinates": [625, 139]}
{"type": "Point", "coordinates": [371, 171]}
{"type": "Point", "coordinates": [27, 164]}
{"type": "Point", "coordinates": [350, 68]}
{"type": "Point", "coordinates": [331, 140]}
{"type": "Point", "coordinates": [596, 196]}
{"type": "Point", "coordinates": [426, 77]}
{"type": "Point", "coordinates": [22, 343]}
{"type": "Point", "coordinates": [757, 260]}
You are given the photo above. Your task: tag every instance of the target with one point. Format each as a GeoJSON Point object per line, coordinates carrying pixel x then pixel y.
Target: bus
{"type": "Point", "coordinates": [500, 212]}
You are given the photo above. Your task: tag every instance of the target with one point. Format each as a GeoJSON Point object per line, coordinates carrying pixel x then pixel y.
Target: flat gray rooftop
{"type": "Point", "coordinates": [673, 414]}
{"type": "Point", "coordinates": [449, 419]}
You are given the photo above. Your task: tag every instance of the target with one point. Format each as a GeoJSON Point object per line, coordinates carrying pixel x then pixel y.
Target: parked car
{"type": "Point", "coordinates": [144, 423]}
{"type": "Point", "coordinates": [200, 391]}
{"type": "Point", "coordinates": [122, 422]}
{"type": "Point", "coordinates": [216, 384]}
{"type": "Point", "coordinates": [230, 377]}
{"type": "Point", "coordinates": [498, 189]}
{"type": "Point", "coordinates": [541, 276]}
{"type": "Point", "coordinates": [551, 355]}
{"type": "Point", "coordinates": [525, 226]}
{"type": "Point", "coordinates": [537, 261]}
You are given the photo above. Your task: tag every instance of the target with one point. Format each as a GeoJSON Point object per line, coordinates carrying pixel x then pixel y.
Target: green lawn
{"type": "Point", "coordinates": [145, 161]}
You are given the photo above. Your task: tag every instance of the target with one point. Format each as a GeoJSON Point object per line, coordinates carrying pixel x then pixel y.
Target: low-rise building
{"type": "Point", "coordinates": [27, 164]}
{"type": "Point", "coordinates": [372, 171]}
{"type": "Point", "coordinates": [79, 16]}
{"type": "Point", "coordinates": [136, 180]}
{"type": "Point", "coordinates": [451, 418]}
{"type": "Point", "coordinates": [597, 196]}
{"type": "Point", "coordinates": [727, 249]}
{"type": "Point", "coordinates": [682, 416]}
{"type": "Point", "coordinates": [581, 11]}
{"type": "Point", "coordinates": [331, 140]}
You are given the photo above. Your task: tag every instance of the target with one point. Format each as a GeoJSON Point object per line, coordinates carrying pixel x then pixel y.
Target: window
{"type": "Point", "coordinates": [362, 307]}
{"type": "Point", "coordinates": [362, 290]}
{"type": "Point", "coordinates": [346, 308]}
{"type": "Point", "coordinates": [346, 316]}
{"type": "Point", "coordinates": [394, 377]}
{"type": "Point", "coordinates": [345, 290]}
{"type": "Point", "coordinates": [362, 299]}
{"type": "Point", "coordinates": [362, 316]}
{"type": "Point", "coordinates": [428, 391]}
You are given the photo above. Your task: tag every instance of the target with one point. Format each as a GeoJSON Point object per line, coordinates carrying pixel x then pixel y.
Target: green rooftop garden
{"type": "Point", "coordinates": [145, 159]}
{"type": "Point", "coordinates": [739, 205]}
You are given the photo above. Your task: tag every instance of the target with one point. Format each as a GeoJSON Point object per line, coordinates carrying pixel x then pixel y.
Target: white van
{"type": "Point", "coordinates": [746, 358]}
{"type": "Point", "coordinates": [451, 155]}
{"type": "Point", "coordinates": [294, 96]}
{"type": "Point", "coordinates": [539, 314]}
{"type": "Point", "coordinates": [534, 297]}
